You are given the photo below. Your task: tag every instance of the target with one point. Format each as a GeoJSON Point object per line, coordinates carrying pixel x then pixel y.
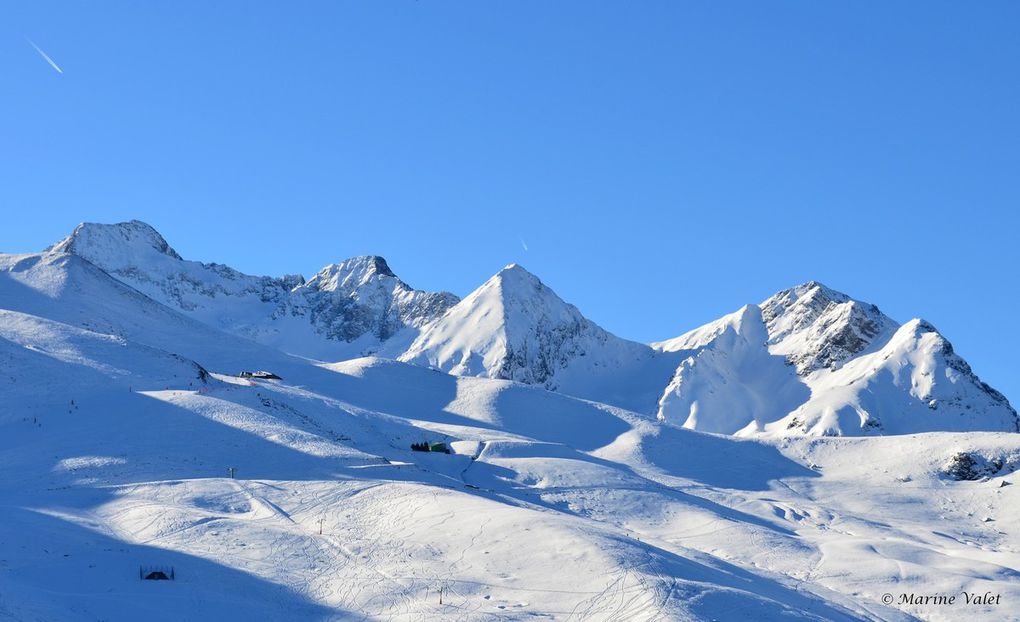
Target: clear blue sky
{"type": "Point", "coordinates": [664, 162]}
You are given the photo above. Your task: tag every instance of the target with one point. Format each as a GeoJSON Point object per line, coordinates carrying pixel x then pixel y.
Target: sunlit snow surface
{"type": "Point", "coordinates": [120, 417]}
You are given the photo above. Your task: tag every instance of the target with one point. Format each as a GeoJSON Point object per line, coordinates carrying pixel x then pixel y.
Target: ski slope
{"type": "Point", "coordinates": [121, 416]}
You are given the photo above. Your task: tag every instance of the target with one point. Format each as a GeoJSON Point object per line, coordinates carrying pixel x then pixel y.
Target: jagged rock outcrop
{"type": "Point", "coordinates": [816, 327]}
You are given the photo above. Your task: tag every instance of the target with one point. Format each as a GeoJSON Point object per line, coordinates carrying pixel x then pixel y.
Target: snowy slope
{"type": "Point", "coordinates": [134, 478]}
{"type": "Point", "coordinates": [915, 383]}
{"type": "Point", "coordinates": [514, 327]}
{"type": "Point", "coordinates": [68, 289]}
{"type": "Point", "coordinates": [120, 414]}
{"type": "Point", "coordinates": [111, 472]}
{"type": "Point", "coordinates": [653, 522]}
{"type": "Point", "coordinates": [731, 382]}
{"type": "Point", "coordinates": [35, 354]}
{"type": "Point", "coordinates": [811, 360]}
{"type": "Point", "coordinates": [346, 309]}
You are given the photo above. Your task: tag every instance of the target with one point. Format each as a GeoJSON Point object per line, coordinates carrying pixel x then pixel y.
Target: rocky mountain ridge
{"type": "Point", "coordinates": [807, 360]}
{"type": "Point", "coordinates": [347, 309]}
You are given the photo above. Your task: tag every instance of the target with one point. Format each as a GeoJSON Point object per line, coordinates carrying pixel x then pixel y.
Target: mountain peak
{"type": "Point", "coordinates": [517, 273]}
{"type": "Point", "coordinates": [819, 327]}
{"type": "Point", "coordinates": [513, 287]}
{"type": "Point", "coordinates": [376, 263]}
{"type": "Point", "coordinates": [745, 322]}
{"type": "Point", "coordinates": [514, 327]}
{"type": "Point", "coordinates": [357, 300]}
{"type": "Point", "coordinates": [921, 325]}
{"type": "Point", "coordinates": [811, 290]}
{"type": "Point", "coordinates": [120, 243]}
{"type": "Point", "coordinates": [350, 273]}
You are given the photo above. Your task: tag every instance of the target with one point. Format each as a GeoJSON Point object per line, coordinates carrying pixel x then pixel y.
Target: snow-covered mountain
{"type": "Point", "coordinates": [121, 411]}
{"type": "Point", "coordinates": [514, 327]}
{"type": "Point", "coordinates": [808, 360]}
{"type": "Point", "coordinates": [728, 381]}
{"type": "Point", "coordinates": [816, 327]}
{"type": "Point", "coordinates": [811, 360]}
{"type": "Point", "coordinates": [347, 309]}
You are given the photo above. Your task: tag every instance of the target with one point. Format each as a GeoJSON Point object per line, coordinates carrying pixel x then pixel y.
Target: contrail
{"type": "Point", "coordinates": [524, 244]}
{"type": "Point", "coordinates": [43, 54]}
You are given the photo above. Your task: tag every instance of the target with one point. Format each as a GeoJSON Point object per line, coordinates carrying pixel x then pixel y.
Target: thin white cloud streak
{"type": "Point", "coordinates": [44, 55]}
{"type": "Point", "coordinates": [524, 245]}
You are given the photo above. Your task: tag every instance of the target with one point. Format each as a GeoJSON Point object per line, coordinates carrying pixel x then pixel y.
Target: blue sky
{"type": "Point", "coordinates": [664, 162]}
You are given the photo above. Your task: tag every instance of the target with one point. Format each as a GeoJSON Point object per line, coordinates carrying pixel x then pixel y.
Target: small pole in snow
{"type": "Point", "coordinates": [321, 520]}
{"type": "Point", "coordinates": [440, 596]}
{"type": "Point", "coordinates": [231, 470]}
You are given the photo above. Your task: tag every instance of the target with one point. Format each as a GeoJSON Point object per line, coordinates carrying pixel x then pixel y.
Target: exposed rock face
{"type": "Point", "coordinates": [817, 327]}
{"type": "Point", "coordinates": [971, 465]}
{"type": "Point", "coordinates": [362, 296]}
{"type": "Point", "coordinates": [956, 367]}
